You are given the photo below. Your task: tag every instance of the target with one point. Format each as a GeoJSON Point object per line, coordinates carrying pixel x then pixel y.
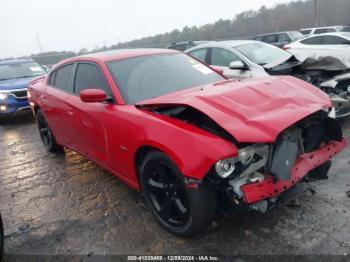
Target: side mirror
{"type": "Point", "coordinates": [93, 95]}
{"type": "Point", "coordinates": [237, 65]}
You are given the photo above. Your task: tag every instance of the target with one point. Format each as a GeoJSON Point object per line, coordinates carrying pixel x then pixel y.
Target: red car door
{"type": "Point", "coordinates": [55, 106]}
{"type": "Point", "coordinates": [90, 133]}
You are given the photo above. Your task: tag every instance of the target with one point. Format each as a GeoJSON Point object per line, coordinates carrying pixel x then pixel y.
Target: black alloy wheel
{"type": "Point", "coordinates": [180, 210]}
{"type": "Point", "coordinates": [46, 134]}
{"type": "Point", "coordinates": [167, 194]}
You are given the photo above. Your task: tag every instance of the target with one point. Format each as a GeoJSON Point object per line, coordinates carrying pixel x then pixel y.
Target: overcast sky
{"type": "Point", "coordinates": [74, 24]}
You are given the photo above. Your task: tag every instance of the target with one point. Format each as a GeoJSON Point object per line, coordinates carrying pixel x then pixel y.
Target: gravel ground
{"type": "Point", "coordinates": [67, 205]}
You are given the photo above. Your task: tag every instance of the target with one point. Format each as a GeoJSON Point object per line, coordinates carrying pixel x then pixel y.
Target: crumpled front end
{"type": "Point", "coordinates": [261, 172]}
{"type": "Point", "coordinates": [270, 187]}
{"type": "Point", "coordinates": [338, 89]}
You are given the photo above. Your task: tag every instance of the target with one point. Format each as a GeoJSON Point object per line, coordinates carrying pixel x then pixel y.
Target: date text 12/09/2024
{"type": "Point", "coordinates": [173, 258]}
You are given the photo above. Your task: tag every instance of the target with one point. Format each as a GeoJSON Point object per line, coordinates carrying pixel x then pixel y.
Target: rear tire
{"type": "Point", "coordinates": [46, 134]}
{"type": "Point", "coordinates": [180, 210]}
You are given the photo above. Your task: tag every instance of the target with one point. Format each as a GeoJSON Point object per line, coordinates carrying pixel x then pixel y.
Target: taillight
{"type": "Point", "coordinates": [286, 47]}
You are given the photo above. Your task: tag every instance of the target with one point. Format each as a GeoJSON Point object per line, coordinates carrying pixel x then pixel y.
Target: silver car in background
{"type": "Point", "coordinates": [247, 59]}
{"type": "Point", "coordinates": [240, 58]}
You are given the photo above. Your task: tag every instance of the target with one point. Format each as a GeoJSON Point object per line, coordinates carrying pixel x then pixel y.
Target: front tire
{"type": "Point", "coordinates": [180, 210]}
{"type": "Point", "coordinates": [46, 134]}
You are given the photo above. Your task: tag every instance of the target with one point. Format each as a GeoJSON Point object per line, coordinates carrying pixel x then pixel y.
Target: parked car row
{"type": "Point", "coordinates": [184, 135]}
{"type": "Point", "coordinates": [322, 30]}
{"type": "Point", "coordinates": [279, 39]}
{"type": "Point", "coordinates": [241, 59]}
{"type": "Point", "coordinates": [182, 46]}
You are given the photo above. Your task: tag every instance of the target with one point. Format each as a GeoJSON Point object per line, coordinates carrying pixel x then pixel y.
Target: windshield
{"type": "Point", "coordinates": [19, 70]}
{"type": "Point", "coordinates": [144, 77]}
{"type": "Point", "coordinates": [263, 54]}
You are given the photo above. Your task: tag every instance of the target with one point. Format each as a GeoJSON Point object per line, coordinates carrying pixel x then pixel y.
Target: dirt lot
{"type": "Point", "coordinates": [67, 205]}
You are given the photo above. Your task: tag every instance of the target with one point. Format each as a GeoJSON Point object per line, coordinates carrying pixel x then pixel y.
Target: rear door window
{"type": "Point", "coordinates": [222, 57]}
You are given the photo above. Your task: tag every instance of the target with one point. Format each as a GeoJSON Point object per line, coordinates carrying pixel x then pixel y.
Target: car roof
{"type": "Point", "coordinates": [233, 43]}
{"type": "Point", "coordinates": [226, 43]}
{"type": "Point", "coordinates": [320, 27]}
{"type": "Point", "coordinates": [188, 42]}
{"type": "Point", "coordinates": [346, 34]}
{"type": "Point", "coordinates": [276, 33]}
{"type": "Point", "coordinates": [15, 61]}
{"type": "Point", "coordinates": [119, 54]}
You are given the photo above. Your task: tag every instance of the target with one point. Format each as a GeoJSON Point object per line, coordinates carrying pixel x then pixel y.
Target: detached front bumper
{"type": "Point", "coordinates": [270, 187]}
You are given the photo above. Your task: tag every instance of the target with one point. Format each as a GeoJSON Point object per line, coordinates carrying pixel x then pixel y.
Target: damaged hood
{"type": "Point", "coordinates": [251, 110]}
{"type": "Point", "coordinates": [282, 60]}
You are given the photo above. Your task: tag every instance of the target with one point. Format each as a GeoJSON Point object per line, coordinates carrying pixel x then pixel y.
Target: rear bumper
{"type": "Point", "coordinates": [269, 187]}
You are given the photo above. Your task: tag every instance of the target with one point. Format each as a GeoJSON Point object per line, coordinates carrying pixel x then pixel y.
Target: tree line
{"type": "Point", "coordinates": [282, 17]}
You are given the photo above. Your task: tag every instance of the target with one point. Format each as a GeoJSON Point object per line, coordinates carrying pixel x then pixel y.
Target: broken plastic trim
{"type": "Point", "coordinates": [193, 117]}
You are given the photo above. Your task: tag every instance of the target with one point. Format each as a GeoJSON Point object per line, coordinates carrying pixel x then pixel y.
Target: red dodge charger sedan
{"type": "Point", "coordinates": [185, 136]}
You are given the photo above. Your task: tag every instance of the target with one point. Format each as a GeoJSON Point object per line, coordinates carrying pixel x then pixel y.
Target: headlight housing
{"type": "Point", "coordinates": [225, 167]}
{"type": "Point", "coordinates": [251, 157]}
{"type": "Point", "coordinates": [3, 96]}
